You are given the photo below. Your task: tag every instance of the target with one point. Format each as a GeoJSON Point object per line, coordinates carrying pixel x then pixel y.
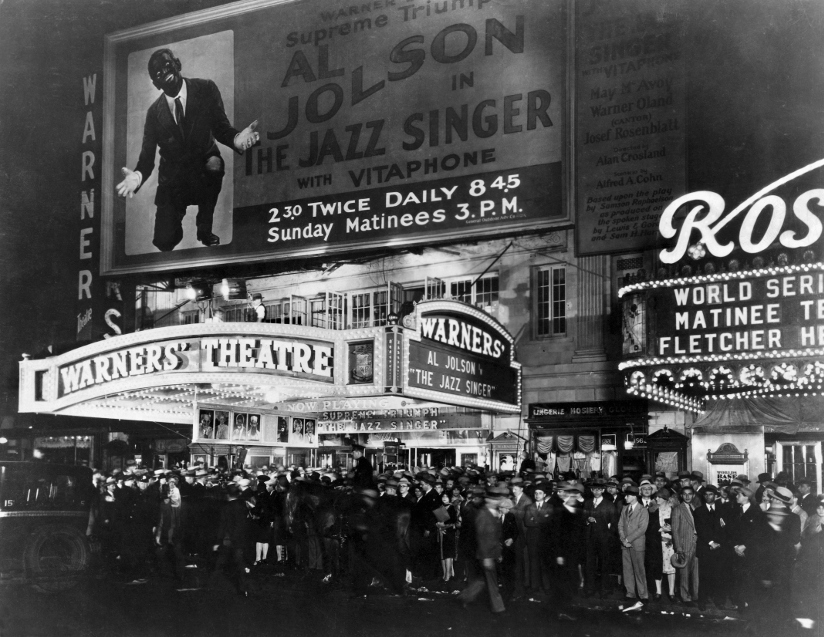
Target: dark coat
{"type": "Point", "coordinates": [234, 523]}
{"type": "Point", "coordinates": [182, 157]}
{"type": "Point", "coordinates": [567, 535]}
{"type": "Point", "coordinates": [488, 534]}
{"type": "Point", "coordinates": [748, 529]}
{"type": "Point", "coordinates": [710, 528]}
{"type": "Point", "coordinates": [606, 519]}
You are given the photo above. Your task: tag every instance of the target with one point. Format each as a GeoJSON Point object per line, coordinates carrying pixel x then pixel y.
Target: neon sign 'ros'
{"type": "Point", "coordinates": [760, 201]}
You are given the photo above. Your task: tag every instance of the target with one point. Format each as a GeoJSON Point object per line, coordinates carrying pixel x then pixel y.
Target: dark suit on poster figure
{"type": "Point", "coordinates": [191, 168]}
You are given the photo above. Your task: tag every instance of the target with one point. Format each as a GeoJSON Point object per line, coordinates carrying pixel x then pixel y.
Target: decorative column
{"type": "Point", "coordinates": [593, 287]}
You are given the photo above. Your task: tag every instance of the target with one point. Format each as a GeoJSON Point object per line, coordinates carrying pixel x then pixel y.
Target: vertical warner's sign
{"type": "Point", "coordinates": [100, 303]}
{"type": "Point", "coordinates": [630, 112]}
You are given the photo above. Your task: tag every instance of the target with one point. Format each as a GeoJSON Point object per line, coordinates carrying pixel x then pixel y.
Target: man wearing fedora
{"type": "Point", "coordinates": [713, 549]}
{"type": "Point", "coordinates": [806, 498]}
{"type": "Point", "coordinates": [524, 516]}
{"type": "Point", "coordinates": [747, 534]}
{"type": "Point", "coordinates": [684, 542]}
{"type": "Point", "coordinates": [632, 528]}
{"type": "Point", "coordinates": [567, 536]}
{"type": "Point", "coordinates": [488, 550]}
{"type": "Point", "coordinates": [600, 525]}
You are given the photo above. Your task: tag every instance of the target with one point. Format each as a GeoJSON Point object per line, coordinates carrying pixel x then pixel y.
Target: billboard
{"type": "Point", "coordinates": [388, 123]}
{"type": "Point", "coordinates": [630, 120]}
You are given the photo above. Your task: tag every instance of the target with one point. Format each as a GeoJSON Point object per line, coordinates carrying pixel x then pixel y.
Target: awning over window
{"type": "Point", "coordinates": [774, 415]}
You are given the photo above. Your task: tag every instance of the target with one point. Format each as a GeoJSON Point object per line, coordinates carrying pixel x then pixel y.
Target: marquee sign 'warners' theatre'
{"type": "Point", "coordinates": [400, 378]}
{"type": "Point", "coordinates": [744, 313]}
{"type": "Point", "coordinates": [461, 355]}
{"type": "Point", "coordinates": [381, 123]}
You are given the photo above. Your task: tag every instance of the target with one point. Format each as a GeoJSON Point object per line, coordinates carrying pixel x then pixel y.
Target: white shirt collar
{"type": "Point", "coordinates": [183, 94]}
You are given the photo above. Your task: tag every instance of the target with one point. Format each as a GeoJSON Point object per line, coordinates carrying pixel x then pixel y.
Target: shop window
{"type": "Point", "coordinates": [482, 294]}
{"type": "Point", "coordinates": [469, 459]}
{"type": "Point", "coordinates": [799, 462]}
{"type": "Point", "coordinates": [550, 299]}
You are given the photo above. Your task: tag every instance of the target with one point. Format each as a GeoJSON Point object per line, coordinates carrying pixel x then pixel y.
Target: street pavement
{"type": "Point", "coordinates": [293, 604]}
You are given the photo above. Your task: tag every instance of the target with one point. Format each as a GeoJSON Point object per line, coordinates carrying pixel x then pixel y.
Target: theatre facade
{"type": "Point", "coordinates": [260, 393]}
{"type": "Point", "coordinates": [730, 327]}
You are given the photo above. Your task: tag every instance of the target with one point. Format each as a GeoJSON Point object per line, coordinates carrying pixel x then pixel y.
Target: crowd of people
{"type": "Point", "coordinates": [481, 535]}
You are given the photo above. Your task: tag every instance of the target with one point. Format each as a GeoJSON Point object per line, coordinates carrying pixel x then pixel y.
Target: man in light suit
{"type": "Point", "coordinates": [184, 122]}
{"type": "Point", "coordinates": [684, 542]}
{"type": "Point", "coordinates": [632, 528]}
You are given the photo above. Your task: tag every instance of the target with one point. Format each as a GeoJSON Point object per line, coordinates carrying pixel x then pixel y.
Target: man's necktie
{"type": "Point", "coordinates": [179, 114]}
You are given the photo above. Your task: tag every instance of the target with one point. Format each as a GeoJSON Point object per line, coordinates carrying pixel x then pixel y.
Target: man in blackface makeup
{"type": "Point", "coordinates": [184, 122]}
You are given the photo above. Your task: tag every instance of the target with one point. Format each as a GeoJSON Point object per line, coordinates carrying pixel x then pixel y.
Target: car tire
{"type": "Point", "coordinates": [56, 557]}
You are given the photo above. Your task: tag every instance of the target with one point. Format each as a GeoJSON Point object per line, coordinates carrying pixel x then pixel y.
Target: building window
{"type": "Point", "coordinates": [370, 309]}
{"type": "Point", "coordinates": [191, 317]}
{"type": "Point", "coordinates": [483, 294]}
{"type": "Point", "coordinates": [361, 309]}
{"type": "Point", "coordinates": [551, 301]}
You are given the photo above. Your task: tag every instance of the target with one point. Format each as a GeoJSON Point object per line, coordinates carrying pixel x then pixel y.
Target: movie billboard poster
{"type": "Point", "coordinates": [630, 121]}
{"type": "Point", "coordinates": [253, 427]}
{"type": "Point", "coordinates": [335, 131]}
{"type": "Point", "coordinates": [221, 425]}
{"type": "Point", "coordinates": [361, 362]}
{"type": "Point", "coordinates": [283, 429]}
{"type": "Point", "coordinates": [206, 430]}
{"type": "Point", "coordinates": [239, 428]}
{"type": "Point", "coordinates": [297, 430]}
{"type": "Point", "coordinates": [309, 431]}
{"type": "Point", "coordinates": [634, 324]}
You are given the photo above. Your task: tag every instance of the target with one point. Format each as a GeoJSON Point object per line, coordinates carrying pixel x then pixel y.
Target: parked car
{"type": "Point", "coordinates": [44, 517]}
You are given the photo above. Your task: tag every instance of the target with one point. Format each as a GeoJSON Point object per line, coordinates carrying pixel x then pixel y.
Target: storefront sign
{"type": "Point", "coordinates": [174, 445]}
{"type": "Point", "coordinates": [606, 410]}
{"type": "Point", "coordinates": [385, 122]}
{"type": "Point", "coordinates": [630, 115]}
{"type": "Point", "coordinates": [462, 353]}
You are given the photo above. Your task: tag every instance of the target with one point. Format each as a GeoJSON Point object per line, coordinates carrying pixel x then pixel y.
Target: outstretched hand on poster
{"type": "Point", "coordinates": [130, 183]}
{"type": "Point", "coordinates": [248, 137]}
